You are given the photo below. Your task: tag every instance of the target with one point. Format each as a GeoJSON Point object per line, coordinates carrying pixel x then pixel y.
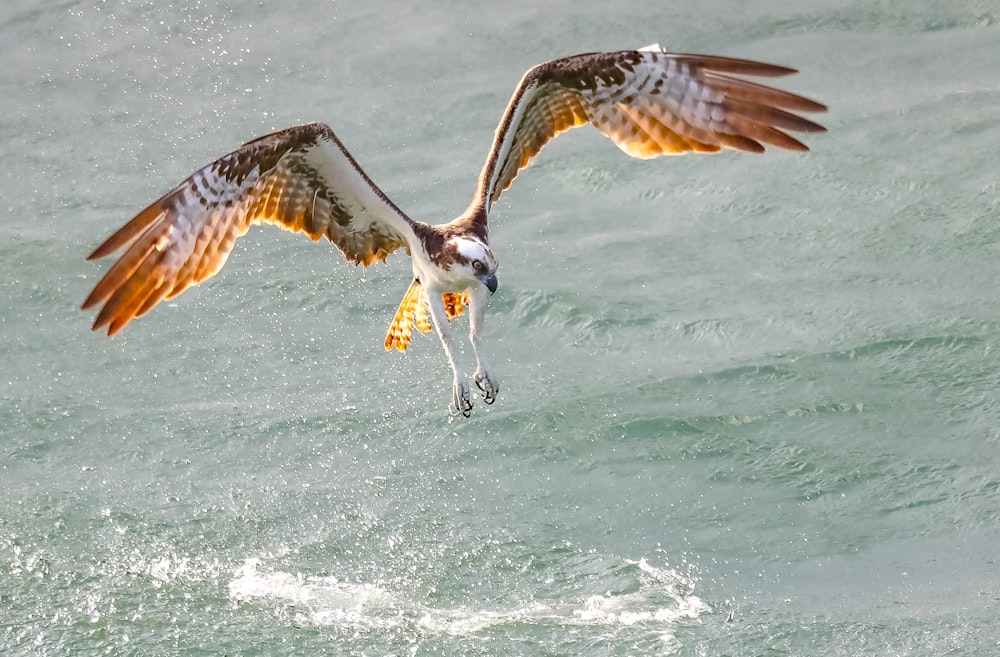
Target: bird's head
{"type": "Point", "coordinates": [475, 259]}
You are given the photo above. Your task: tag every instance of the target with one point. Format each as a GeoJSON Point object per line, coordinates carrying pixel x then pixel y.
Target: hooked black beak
{"type": "Point", "coordinates": [490, 281]}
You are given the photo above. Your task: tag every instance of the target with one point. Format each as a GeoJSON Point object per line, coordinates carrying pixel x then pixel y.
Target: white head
{"type": "Point", "coordinates": [473, 258]}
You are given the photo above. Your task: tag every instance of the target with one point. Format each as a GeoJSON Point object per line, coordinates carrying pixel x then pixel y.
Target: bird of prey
{"type": "Point", "coordinates": [649, 102]}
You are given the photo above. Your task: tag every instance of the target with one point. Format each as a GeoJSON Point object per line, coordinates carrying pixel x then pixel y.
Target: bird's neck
{"type": "Point", "coordinates": [471, 223]}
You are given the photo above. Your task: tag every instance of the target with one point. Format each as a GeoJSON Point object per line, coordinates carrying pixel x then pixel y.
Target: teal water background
{"type": "Point", "coordinates": [749, 403]}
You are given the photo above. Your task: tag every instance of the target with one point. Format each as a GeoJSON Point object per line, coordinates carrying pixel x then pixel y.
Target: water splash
{"type": "Point", "coordinates": [663, 600]}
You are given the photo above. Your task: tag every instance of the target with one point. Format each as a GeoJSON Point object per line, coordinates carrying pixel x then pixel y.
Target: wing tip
{"type": "Point", "coordinates": [810, 105]}
{"type": "Point", "coordinates": [743, 143]}
{"type": "Point", "coordinates": [104, 322]}
{"type": "Point", "coordinates": [106, 248]}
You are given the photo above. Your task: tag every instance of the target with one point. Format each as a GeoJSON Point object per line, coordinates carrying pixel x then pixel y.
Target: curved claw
{"type": "Point", "coordinates": [461, 401]}
{"type": "Point", "coordinates": [489, 387]}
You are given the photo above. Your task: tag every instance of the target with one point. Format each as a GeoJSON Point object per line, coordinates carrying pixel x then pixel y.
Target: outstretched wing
{"type": "Point", "coordinates": [301, 179]}
{"type": "Point", "coordinates": [649, 103]}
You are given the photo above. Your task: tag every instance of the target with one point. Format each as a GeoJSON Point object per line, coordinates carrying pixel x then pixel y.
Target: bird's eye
{"type": "Point", "coordinates": [477, 264]}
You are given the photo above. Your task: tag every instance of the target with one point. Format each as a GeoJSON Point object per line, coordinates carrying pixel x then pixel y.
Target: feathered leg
{"type": "Point", "coordinates": [485, 379]}
{"type": "Point", "coordinates": [460, 396]}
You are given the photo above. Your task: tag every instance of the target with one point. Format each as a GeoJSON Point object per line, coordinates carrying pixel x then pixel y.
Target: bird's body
{"type": "Point", "coordinates": [648, 102]}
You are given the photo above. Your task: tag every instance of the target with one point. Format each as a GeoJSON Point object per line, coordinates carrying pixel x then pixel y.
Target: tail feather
{"type": "Point", "coordinates": [454, 303]}
{"type": "Point", "coordinates": [413, 312]}
{"type": "Point", "coordinates": [410, 308]}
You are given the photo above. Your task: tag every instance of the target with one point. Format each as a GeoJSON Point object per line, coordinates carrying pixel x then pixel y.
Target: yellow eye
{"type": "Point", "coordinates": [477, 264]}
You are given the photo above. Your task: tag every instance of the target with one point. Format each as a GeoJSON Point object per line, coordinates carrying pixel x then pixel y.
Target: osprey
{"type": "Point", "coordinates": [649, 102]}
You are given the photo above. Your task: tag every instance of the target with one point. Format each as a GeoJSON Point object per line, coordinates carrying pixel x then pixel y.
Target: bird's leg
{"type": "Point", "coordinates": [485, 378]}
{"type": "Point", "coordinates": [461, 398]}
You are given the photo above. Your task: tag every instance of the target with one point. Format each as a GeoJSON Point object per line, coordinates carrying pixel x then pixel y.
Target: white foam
{"type": "Point", "coordinates": [329, 600]}
{"type": "Point", "coordinates": [647, 606]}
{"type": "Point", "coordinates": [610, 610]}
{"type": "Point", "coordinates": [661, 603]}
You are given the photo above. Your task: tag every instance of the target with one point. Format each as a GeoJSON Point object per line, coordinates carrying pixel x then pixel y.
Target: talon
{"type": "Point", "coordinates": [488, 386]}
{"type": "Point", "coordinates": [460, 399]}
{"type": "Point", "coordinates": [457, 411]}
{"type": "Point", "coordinates": [463, 406]}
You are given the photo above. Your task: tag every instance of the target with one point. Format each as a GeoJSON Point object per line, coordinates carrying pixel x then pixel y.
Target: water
{"type": "Point", "coordinates": [748, 406]}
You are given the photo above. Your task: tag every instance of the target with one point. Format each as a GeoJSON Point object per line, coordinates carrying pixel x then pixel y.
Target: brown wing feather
{"type": "Point", "coordinates": [649, 103]}
{"type": "Point", "coordinates": [301, 179]}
